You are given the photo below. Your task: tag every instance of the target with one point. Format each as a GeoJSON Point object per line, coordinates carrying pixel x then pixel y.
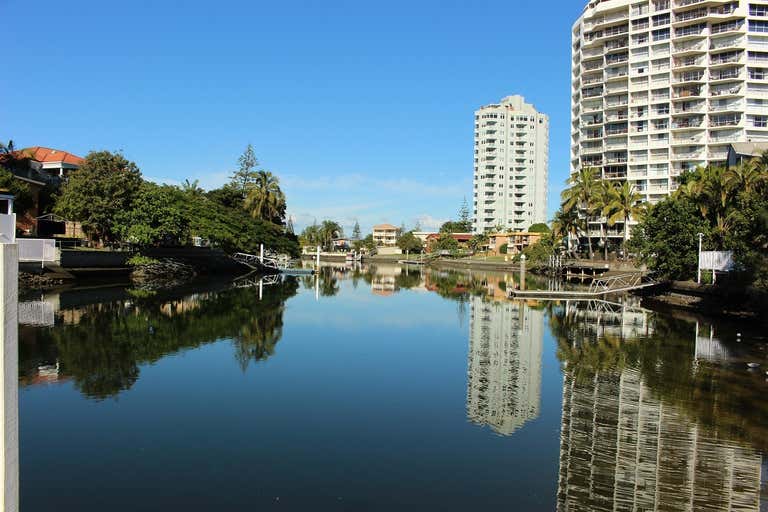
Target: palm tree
{"type": "Point", "coordinates": [192, 188]}
{"type": "Point", "coordinates": [744, 177]}
{"type": "Point", "coordinates": [581, 194]}
{"type": "Point", "coordinates": [566, 225]}
{"type": "Point", "coordinates": [265, 200]}
{"type": "Point", "coordinates": [328, 231]}
{"type": "Point", "coordinates": [623, 203]}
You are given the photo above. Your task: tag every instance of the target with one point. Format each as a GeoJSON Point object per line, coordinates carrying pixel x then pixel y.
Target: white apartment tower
{"type": "Point", "coordinates": [511, 165]}
{"type": "Point", "coordinates": [661, 86]}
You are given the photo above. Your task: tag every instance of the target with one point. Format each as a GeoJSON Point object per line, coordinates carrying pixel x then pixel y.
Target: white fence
{"type": "Point", "coordinates": [716, 260]}
{"type": "Point", "coordinates": [37, 249]}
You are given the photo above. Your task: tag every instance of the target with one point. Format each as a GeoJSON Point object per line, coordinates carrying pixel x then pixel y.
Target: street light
{"type": "Point", "coordinates": [698, 260]}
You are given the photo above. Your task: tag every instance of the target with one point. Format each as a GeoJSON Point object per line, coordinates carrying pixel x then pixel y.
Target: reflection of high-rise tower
{"type": "Point", "coordinates": [504, 381]}
{"type": "Point", "coordinates": [624, 449]}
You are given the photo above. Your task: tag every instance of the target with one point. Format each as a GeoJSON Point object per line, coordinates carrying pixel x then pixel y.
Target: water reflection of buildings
{"type": "Point", "coordinates": [504, 367]}
{"type": "Point", "coordinates": [624, 449]}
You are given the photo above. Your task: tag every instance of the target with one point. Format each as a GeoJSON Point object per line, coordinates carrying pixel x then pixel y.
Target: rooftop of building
{"type": "Point", "coordinates": [384, 227]}
{"type": "Point", "coordinates": [43, 154]}
{"type": "Point", "coordinates": [750, 148]}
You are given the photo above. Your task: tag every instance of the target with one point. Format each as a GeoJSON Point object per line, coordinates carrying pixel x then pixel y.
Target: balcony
{"type": "Point", "coordinates": [725, 91]}
{"type": "Point", "coordinates": [684, 124]}
{"type": "Point", "coordinates": [728, 74]}
{"type": "Point", "coordinates": [724, 121]}
{"type": "Point", "coordinates": [734, 106]}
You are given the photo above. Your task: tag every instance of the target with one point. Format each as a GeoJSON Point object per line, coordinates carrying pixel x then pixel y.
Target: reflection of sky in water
{"type": "Point", "coordinates": [439, 395]}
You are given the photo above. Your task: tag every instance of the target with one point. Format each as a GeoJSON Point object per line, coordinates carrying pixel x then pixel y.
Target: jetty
{"type": "Point", "coordinates": [599, 287]}
{"type": "Point", "coordinates": [269, 264]}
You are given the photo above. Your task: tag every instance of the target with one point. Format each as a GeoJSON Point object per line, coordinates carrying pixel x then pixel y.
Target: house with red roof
{"type": "Point", "coordinates": [38, 166]}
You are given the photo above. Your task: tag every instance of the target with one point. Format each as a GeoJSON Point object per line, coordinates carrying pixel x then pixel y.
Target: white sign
{"type": "Point", "coordinates": [716, 260]}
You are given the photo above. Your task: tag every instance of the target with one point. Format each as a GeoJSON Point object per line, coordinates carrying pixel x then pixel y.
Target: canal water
{"type": "Point", "coordinates": [384, 388]}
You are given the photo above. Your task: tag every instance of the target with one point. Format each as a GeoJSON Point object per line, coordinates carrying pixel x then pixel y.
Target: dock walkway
{"type": "Point", "coordinates": [598, 288]}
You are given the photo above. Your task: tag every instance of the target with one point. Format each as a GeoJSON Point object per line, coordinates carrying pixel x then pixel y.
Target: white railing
{"type": "Point", "coordinates": [37, 249]}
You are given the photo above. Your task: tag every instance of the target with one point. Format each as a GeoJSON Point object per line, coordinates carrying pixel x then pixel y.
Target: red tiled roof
{"type": "Point", "coordinates": [381, 227]}
{"type": "Point", "coordinates": [42, 154]}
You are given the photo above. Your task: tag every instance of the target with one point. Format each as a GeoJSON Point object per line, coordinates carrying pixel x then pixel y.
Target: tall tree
{"type": "Point", "coordinates": [245, 177]}
{"type": "Point", "coordinates": [103, 186]}
{"type": "Point", "coordinates": [582, 193]}
{"type": "Point", "coordinates": [265, 199]}
{"type": "Point", "coordinates": [464, 214]}
{"type": "Point", "coordinates": [623, 204]}
{"type": "Point", "coordinates": [356, 230]}
{"type": "Point", "coordinates": [329, 230]}
{"type": "Point", "coordinates": [566, 225]}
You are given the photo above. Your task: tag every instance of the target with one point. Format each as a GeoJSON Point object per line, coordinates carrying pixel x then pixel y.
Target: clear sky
{"type": "Point", "coordinates": [363, 109]}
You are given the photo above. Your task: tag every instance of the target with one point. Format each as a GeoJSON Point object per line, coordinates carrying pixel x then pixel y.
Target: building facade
{"type": "Point", "coordinates": [385, 235]}
{"type": "Point", "coordinates": [511, 164]}
{"type": "Point", "coordinates": [662, 86]}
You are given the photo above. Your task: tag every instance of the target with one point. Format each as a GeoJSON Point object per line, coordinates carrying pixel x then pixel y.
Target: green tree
{"type": "Point", "coordinates": [23, 199]}
{"type": "Point", "coordinates": [228, 196]}
{"type": "Point", "coordinates": [583, 193]}
{"type": "Point", "coordinates": [329, 230]}
{"type": "Point", "coordinates": [539, 227]}
{"type": "Point", "coordinates": [566, 226]}
{"type": "Point", "coordinates": [103, 187]}
{"type": "Point", "coordinates": [455, 227]}
{"type": "Point", "coordinates": [464, 215]}
{"type": "Point", "coordinates": [265, 200]}
{"type": "Point", "coordinates": [368, 242]}
{"type": "Point", "coordinates": [667, 238]}
{"type": "Point", "coordinates": [245, 177]}
{"type": "Point", "coordinates": [410, 243]}
{"type": "Point", "coordinates": [356, 231]}
{"type": "Point", "coordinates": [156, 216]}
{"type": "Point", "coordinates": [478, 241]}
{"type": "Point", "coordinates": [623, 204]}
{"type": "Point", "coordinates": [445, 242]}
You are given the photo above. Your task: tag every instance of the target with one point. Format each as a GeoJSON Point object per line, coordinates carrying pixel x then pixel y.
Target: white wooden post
{"type": "Point", "coordinates": [261, 253]}
{"type": "Point", "coordinates": [317, 258]}
{"type": "Point", "coordinates": [522, 272]}
{"type": "Point", "coordinates": [9, 406]}
{"type": "Point", "coordinates": [698, 261]}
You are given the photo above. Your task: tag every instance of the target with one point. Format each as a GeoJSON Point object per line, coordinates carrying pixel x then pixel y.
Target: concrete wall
{"type": "Point", "coordinates": [386, 251]}
{"type": "Point", "coordinates": [94, 259]}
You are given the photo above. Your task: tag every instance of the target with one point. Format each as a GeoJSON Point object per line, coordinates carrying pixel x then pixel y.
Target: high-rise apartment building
{"type": "Point", "coordinates": [661, 86]}
{"type": "Point", "coordinates": [511, 166]}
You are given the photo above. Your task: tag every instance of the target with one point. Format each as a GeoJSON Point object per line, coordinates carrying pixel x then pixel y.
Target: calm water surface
{"type": "Point", "coordinates": [384, 388]}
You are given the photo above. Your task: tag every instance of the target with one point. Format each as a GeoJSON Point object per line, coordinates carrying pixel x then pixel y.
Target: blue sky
{"type": "Point", "coordinates": [364, 110]}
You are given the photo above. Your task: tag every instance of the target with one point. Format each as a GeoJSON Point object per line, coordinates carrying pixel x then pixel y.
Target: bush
{"type": "Point", "coordinates": [503, 248]}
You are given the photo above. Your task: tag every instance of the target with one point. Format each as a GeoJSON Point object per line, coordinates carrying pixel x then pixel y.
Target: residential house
{"type": "Point", "coordinates": [385, 235]}
{"type": "Point", "coordinates": [515, 241]}
{"type": "Point", "coordinates": [37, 166]}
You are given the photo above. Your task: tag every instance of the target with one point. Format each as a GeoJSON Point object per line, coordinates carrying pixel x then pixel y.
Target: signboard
{"type": "Point", "coordinates": [716, 260]}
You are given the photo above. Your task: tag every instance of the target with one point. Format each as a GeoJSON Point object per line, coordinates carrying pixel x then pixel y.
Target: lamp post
{"type": "Point", "coordinates": [698, 260]}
